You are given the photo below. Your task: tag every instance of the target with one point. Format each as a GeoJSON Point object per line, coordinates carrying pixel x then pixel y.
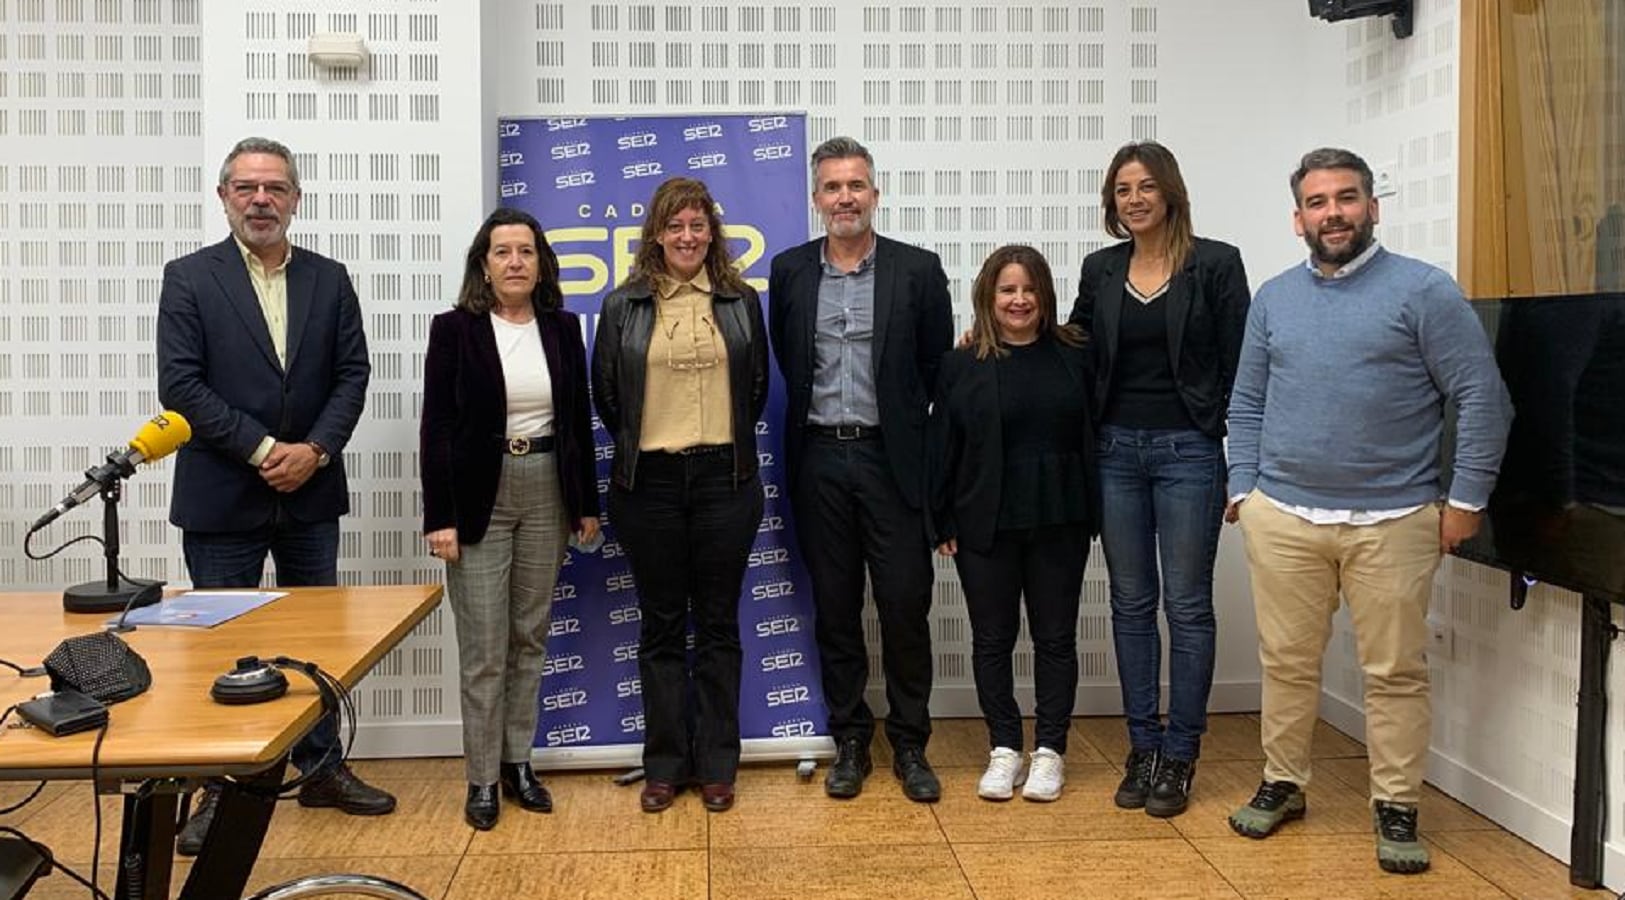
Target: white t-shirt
{"type": "Point", "coordinates": [524, 369]}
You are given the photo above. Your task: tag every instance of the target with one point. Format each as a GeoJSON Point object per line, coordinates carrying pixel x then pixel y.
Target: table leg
{"type": "Point", "coordinates": [147, 840]}
{"type": "Point", "coordinates": [1589, 832]}
{"type": "Point", "coordinates": [231, 848]}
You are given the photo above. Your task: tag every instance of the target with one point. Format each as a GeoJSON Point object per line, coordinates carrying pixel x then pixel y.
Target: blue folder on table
{"type": "Point", "coordinates": [200, 609]}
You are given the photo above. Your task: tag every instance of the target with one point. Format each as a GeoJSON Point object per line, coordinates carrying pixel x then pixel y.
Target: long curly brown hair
{"type": "Point", "coordinates": [672, 197]}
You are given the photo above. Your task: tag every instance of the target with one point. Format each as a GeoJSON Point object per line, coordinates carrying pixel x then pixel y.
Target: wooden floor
{"type": "Point", "coordinates": [785, 839]}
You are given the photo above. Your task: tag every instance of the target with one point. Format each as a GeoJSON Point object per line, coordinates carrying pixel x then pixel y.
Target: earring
{"type": "Point", "coordinates": [487, 277]}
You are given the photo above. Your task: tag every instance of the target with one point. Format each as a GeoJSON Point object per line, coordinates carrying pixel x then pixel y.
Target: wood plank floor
{"type": "Point", "coordinates": [784, 839]}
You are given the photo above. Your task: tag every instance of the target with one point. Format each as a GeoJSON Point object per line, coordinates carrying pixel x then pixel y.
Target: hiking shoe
{"type": "Point", "coordinates": [1006, 769]}
{"type": "Point", "coordinates": [1138, 772]}
{"type": "Point", "coordinates": [1171, 788]}
{"type": "Point", "coordinates": [1045, 776]}
{"type": "Point", "coordinates": [1398, 848]}
{"type": "Point", "coordinates": [1275, 802]}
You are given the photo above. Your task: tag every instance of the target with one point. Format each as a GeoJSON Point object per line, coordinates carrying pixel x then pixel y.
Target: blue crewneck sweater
{"type": "Point", "coordinates": [1341, 389]}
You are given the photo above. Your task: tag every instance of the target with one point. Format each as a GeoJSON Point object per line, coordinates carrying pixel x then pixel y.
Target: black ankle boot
{"type": "Point", "coordinates": [482, 808]}
{"type": "Point", "coordinates": [519, 782]}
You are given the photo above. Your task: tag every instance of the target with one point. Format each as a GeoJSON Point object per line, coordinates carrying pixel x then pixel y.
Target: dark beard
{"type": "Point", "coordinates": [1361, 242]}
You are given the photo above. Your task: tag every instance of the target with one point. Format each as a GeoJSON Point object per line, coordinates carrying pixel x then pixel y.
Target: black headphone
{"type": "Point", "coordinates": [257, 680]}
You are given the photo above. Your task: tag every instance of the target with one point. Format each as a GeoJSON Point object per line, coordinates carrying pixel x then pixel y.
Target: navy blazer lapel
{"type": "Point", "coordinates": [1181, 290]}
{"type": "Point", "coordinates": [231, 272]}
{"type": "Point", "coordinates": [885, 291]}
{"type": "Point", "coordinates": [301, 297]}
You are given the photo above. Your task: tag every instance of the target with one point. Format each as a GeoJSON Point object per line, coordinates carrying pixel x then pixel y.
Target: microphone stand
{"type": "Point", "coordinates": [115, 592]}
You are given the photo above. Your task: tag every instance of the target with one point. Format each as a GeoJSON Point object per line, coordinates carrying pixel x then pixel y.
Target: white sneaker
{"type": "Point", "coordinates": [1005, 770]}
{"type": "Point", "coordinates": [1046, 776]}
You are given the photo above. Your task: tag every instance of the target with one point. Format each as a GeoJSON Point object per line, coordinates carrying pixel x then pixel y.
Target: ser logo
{"type": "Point", "coordinates": [623, 615]}
{"type": "Point", "coordinates": [569, 151]}
{"type": "Point", "coordinates": [632, 723]}
{"type": "Point", "coordinates": [785, 659]}
{"type": "Point", "coordinates": [770, 557]}
{"type": "Point", "coordinates": [512, 158]}
{"type": "Point", "coordinates": [794, 728]}
{"type": "Point", "coordinates": [628, 687]}
{"type": "Point", "coordinates": [565, 625]}
{"type": "Point", "coordinates": [702, 132]}
{"type": "Point", "coordinates": [564, 591]}
{"type": "Point", "coordinates": [508, 129]}
{"type": "Point", "coordinates": [569, 699]}
{"type": "Point", "coordinates": [574, 180]}
{"type": "Point", "coordinates": [778, 625]}
{"type": "Point", "coordinates": [786, 696]}
{"type": "Point", "coordinates": [707, 160]}
{"type": "Point", "coordinates": [772, 589]}
{"type": "Point", "coordinates": [568, 734]}
{"type": "Point", "coordinates": [516, 188]}
{"type": "Point", "coordinates": [764, 459]}
{"type": "Point", "coordinates": [567, 662]}
{"type": "Point", "coordinates": [641, 170]}
{"type": "Point", "coordinates": [771, 523]}
{"type": "Point", "coordinates": [771, 151]}
{"type": "Point", "coordinates": [636, 140]}
{"type": "Point", "coordinates": [564, 124]}
{"type": "Point", "coordinates": [626, 652]}
{"type": "Point", "coordinates": [770, 491]}
{"type": "Point", "coordinates": [762, 124]}
{"type": "Point", "coordinates": [617, 583]}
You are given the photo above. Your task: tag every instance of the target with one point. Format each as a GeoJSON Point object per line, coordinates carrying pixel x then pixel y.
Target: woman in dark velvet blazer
{"type": "Point", "coordinates": [508, 472]}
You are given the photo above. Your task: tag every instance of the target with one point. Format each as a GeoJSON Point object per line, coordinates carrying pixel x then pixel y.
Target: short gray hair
{"type": "Point", "coordinates": [261, 145]}
{"type": "Point", "coordinates": [1330, 158]}
{"type": "Point", "coordinates": [843, 148]}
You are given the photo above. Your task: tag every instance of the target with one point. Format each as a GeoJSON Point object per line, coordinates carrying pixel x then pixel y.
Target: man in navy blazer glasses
{"type": "Point", "coordinates": [859, 324]}
{"type": "Point", "coordinates": [260, 347]}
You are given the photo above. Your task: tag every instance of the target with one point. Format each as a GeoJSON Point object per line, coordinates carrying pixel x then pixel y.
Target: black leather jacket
{"type": "Point", "coordinates": [620, 364]}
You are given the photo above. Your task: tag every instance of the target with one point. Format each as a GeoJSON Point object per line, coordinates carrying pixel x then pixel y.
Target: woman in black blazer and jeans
{"type": "Point", "coordinates": [506, 461]}
{"type": "Point", "coordinates": [1015, 504]}
{"type": "Point", "coordinates": [679, 373]}
{"type": "Point", "coordinates": [1166, 310]}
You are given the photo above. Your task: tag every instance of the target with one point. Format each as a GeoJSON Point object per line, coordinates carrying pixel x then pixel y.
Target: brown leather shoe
{"type": "Point", "coordinates": [341, 788]}
{"type": "Point", "coordinates": [657, 796]}
{"type": "Point", "coordinates": [718, 796]}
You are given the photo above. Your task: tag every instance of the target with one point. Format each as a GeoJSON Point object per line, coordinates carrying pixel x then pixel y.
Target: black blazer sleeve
{"type": "Point", "coordinates": [758, 354]}
{"type": "Point", "coordinates": [578, 473]}
{"type": "Point", "coordinates": [1225, 280]}
{"type": "Point", "coordinates": [606, 352]}
{"type": "Point", "coordinates": [945, 445]}
{"type": "Point", "coordinates": [438, 427]}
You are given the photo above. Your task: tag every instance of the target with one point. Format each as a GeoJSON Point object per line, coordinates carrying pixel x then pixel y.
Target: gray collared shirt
{"type": "Point", "coordinates": [843, 389]}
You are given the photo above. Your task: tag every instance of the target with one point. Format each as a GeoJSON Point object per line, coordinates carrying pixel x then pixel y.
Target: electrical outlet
{"type": "Point", "coordinates": [1441, 640]}
{"type": "Point", "coordinates": [1385, 179]}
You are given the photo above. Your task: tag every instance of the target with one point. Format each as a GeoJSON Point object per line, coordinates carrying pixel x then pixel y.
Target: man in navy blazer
{"type": "Point", "coordinates": [260, 347]}
{"type": "Point", "coordinates": [859, 324]}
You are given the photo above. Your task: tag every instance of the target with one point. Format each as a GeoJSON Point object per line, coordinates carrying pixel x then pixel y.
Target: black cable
{"type": "Point", "coordinates": [25, 801]}
{"type": "Point", "coordinates": [96, 802]}
{"type": "Point", "coordinates": [96, 852]}
{"type": "Point", "coordinates": [28, 552]}
{"type": "Point", "coordinates": [45, 851]}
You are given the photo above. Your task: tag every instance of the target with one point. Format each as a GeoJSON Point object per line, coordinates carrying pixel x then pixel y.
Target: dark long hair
{"type": "Point", "coordinates": [1164, 169]}
{"type": "Point", "coordinates": [476, 295]}
{"type": "Point", "coordinates": [672, 197]}
{"type": "Point", "coordinates": [985, 330]}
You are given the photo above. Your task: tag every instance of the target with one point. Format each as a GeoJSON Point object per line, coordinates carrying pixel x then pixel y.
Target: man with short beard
{"type": "Point", "coordinates": [260, 347]}
{"type": "Point", "coordinates": [1336, 420]}
{"type": "Point", "coordinates": [859, 324]}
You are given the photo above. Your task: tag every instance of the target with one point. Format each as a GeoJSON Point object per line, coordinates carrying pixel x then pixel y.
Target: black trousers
{"type": "Point", "coordinates": [688, 529]}
{"type": "Point", "coordinates": [850, 515]}
{"type": "Point", "coordinates": [1044, 565]}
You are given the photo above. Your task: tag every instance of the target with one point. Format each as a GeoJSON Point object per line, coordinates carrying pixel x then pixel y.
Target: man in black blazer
{"type": "Point", "coordinates": [260, 347]}
{"type": "Point", "coordinates": [859, 324]}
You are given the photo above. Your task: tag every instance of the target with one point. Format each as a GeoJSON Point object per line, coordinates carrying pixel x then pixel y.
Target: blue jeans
{"type": "Point", "coordinates": [306, 554]}
{"type": "Point", "coordinates": [1162, 495]}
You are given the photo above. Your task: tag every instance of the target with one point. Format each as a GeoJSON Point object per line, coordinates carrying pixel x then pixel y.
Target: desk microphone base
{"type": "Point", "coordinates": [98, 597]}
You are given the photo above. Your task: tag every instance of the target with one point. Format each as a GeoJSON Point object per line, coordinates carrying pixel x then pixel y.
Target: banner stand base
{"type": "Point", "coordinates": [630, 756]}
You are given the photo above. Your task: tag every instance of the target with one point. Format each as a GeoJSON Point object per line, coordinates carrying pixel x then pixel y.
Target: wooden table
{"type": "Point", "coordinates": [174, 732]}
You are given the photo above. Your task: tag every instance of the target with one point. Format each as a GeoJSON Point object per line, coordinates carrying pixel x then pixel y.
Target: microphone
{"type": "Point", "coordinates": [160, 436]}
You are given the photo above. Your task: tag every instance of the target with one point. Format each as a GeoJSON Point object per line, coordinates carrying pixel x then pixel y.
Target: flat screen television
{"type": "Point", "coordinates": [1557, 514]}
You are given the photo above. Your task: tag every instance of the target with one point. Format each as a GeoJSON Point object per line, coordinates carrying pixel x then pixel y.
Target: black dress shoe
{"type": "Point", "coordinates": [657, 796]}
{"type": "Point", "coordinates": [718, 796]}
{"type": "Point", "coordinates": [919, 782]}
{"type": "Point", "coordinates": [481, 809]}
{"type": "Point", "coordinates": [341, 788]}
{"type": "Point", "coordinates": [519, 782]}
{"type": "Point", "coordinates": [852, 765]}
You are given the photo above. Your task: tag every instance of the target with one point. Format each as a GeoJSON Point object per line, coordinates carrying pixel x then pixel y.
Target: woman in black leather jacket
{"type": "Point", "coordinates": [680, 379]}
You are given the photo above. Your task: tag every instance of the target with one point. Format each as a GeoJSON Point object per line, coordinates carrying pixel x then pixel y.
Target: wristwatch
{"type": "Point", "coordinates": [322, 459]}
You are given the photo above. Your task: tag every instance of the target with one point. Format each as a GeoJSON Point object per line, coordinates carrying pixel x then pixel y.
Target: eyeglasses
{"type": "Point", "coordinates": [705, 355]}
{"type": "Point", "coordinates": [278, 190]}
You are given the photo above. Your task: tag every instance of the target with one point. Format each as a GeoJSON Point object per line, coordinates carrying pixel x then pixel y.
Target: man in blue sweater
{"type": "Point", "coordinates": [1336, 419]}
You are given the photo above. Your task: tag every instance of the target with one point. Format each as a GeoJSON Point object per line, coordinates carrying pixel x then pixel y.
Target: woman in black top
{"type": "Point", "coordinates": [1165, 310]}
{"type": "Point", "coordinates": [1015, 504]}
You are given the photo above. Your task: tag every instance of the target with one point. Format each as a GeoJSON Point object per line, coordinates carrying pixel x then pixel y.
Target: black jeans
{"type": "Point", "coordinates": [849, 514]}
{"type": "Point", "coordinates": [688, 529]}
{"type": "Point", "coordinates": [1044, 565]}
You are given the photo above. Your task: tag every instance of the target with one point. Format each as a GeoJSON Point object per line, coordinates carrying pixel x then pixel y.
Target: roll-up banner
{"type": "Point", "coordinates": [588, 181]}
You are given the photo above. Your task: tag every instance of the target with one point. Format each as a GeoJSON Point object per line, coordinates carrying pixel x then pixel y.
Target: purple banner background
{"type": "Point", "coordinates": [587, 180]}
